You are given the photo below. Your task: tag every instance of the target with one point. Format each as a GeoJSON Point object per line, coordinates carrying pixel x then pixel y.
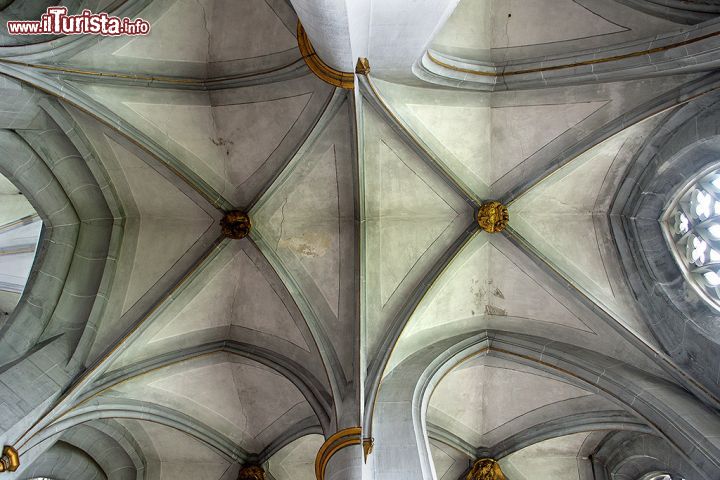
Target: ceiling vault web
{"type": "Point", "coordinates": [258, 263]}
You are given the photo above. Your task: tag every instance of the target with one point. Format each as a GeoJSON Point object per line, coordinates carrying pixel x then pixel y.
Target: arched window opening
{"type": "Point", "coordinates": [661, 476]}
{"type": "Point", "coordinates": [692, 226]}
{"type": "Point", "coordinates": [20, 227]}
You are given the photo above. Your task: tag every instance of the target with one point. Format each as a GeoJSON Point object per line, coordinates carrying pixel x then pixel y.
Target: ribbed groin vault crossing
{"type": "Point", "coordinates": [361, 240]}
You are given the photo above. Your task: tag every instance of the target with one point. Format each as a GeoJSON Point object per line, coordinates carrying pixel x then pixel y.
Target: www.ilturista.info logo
{"type": "Point", "coordinates": [56, 21]}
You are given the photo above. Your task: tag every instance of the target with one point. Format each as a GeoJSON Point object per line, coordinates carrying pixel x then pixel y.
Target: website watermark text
{"type": "Point", "coordinates": [56, 21]}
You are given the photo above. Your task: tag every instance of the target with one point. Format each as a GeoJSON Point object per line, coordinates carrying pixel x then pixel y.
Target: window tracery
{"type": "Point", "coordinates": [693, 226]}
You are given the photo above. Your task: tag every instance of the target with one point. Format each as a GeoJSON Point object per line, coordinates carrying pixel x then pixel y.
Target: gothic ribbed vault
{"type": "Point", "coordinates": [366, 327]}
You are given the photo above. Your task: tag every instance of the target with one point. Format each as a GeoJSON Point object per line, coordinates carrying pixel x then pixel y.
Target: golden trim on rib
{"type": "Point", "coordinates": [321, 69]}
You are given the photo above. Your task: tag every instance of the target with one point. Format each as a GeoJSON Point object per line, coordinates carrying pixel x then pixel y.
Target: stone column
{"type": "Point", "coordinates": [341, 456]}
{"type": "Point", "coordinates": [345, 464]}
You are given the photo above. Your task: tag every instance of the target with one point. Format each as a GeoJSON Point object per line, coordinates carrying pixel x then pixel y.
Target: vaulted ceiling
{"type": "Point", "coordinates": [366, 302]}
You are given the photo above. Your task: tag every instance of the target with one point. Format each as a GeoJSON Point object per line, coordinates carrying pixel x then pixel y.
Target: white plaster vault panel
{"type": "Point", "coordinates": [305, 223]}
{"type": "Point", "coordinates": [161, 224]}
{"type": "Point", "coordinates": [489, 141]}
{"type": "Point", "coordinates": [554, 459]}
{"type": "Point", "coordinates": [499, 30]}
{"type": "Point", "coordinates": [296, 460]}
{"type": "Point", "coordinates": [478, 138]}
{"type": "Point", "coordinates": [223, 138]}
{"type": "Point", "coordinates": [242, 399]}
{"type": "Point", "coordinates": [486, 284]}
{"type": "Point", "coordinates": [174, 455]}
{"type": "Point", "coordinates": [228, 298]}
{"type": "Point", "coordinates": [411, 217]}
{"type": "Point", "coordinates": [237, 296]}
{"type": "Point", "coordinates": [558, 217]}
{"type": "Point", "coordinates": [485, 394]}
{"type": "Point", "coordinates": [479, 289]}
{"type": "Point", "coordinates": [162, 209]}
{"type": "Point", "coordinates": [312, 238]}
{"type": "Point", "coordinates": [449, 463]}
{"type": "Point", "coordinates": [189, 35]}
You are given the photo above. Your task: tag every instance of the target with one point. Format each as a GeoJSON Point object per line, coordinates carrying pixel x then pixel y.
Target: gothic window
{"type": "Point", "coordinates": [693, 227]}
{"type": "Point", "coordinates": [20, 227]}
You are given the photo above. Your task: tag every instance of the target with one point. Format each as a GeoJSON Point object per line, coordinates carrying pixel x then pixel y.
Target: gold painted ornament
{"type": "Point", "coordinates": [368, 446]}
{"type": "Point", "coordinates": [493, 217]}
{"type": "Point", "coordinates": [485, 469]}
{"type": "Point", "coordinates": [363, 66]}
{"type": "Point", "coordinates": [235, 224]}
{"type": "Point", "coordinates": [321, 69]}
{"type": "Point", "coordinates": [251, 472]}
{"type": "Point", "coordinates": [10, 460]}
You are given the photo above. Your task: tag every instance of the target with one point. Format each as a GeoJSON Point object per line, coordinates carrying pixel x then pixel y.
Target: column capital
{"type": "Point", "coordinates": [321, 69]}
{"type": "Point", "coordinates": [342, 439]}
